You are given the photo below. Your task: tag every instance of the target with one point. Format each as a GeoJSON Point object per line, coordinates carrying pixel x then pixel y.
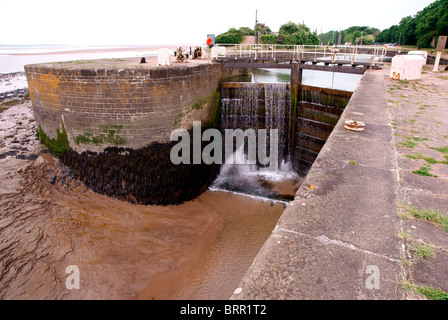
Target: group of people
{"type": "Point", "coordinates": [182, 56]}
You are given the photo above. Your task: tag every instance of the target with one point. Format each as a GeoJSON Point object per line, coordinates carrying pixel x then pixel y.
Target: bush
{"type": "Point", "coordinates": [289, 28]}
{"type": "Point", "coordinates": [247, 31]}
{"type": "Point", "coordinates": [230, 37]}
{"type": "Point", "coordinates": [268, 39]}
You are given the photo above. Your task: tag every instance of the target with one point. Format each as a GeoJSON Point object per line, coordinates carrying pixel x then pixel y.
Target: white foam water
{"type": "Point", "coordinates": [256, 107]}
{"type": "Point", "coordinates": [264, 199]}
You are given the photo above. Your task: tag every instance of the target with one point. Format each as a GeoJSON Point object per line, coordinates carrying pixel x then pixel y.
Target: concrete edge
{"type": "Point", "coordinates": [319, 249]}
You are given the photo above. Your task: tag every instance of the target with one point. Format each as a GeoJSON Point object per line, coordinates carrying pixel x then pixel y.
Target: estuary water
{"type": "Point", "coordinates": [323, 79]}
{"type": "Point", "coordinates": [14, 58]}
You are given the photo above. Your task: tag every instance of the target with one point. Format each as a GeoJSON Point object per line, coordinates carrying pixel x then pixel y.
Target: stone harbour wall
{"type": "Point", "coordinates": [129, 107]}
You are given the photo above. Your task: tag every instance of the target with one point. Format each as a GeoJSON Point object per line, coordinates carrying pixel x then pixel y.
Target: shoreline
{"type": "Point", "coordinates": [11, 62]}
{"type": "Point", "coordinates": [92, 50]}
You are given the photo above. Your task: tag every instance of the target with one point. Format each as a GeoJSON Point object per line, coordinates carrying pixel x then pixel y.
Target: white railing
{"type": "Point", "coordinates": [316, 53]}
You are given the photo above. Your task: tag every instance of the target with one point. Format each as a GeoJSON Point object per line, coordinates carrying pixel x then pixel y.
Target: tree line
{"type": "Point", "coordinates": [289, 34]}
{"type": "Point", "coordinates": [353, 35]}
{"type": "Point", "coordinates": [419, 30]}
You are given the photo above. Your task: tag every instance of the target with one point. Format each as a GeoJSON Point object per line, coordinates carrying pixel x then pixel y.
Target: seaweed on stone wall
{"type": "Point", "coordinates": [58, 146]}
{"type": "Point", "coordinates": [143, 176]}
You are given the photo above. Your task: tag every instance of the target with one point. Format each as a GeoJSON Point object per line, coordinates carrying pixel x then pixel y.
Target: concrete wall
{"type": "Point", "coordinates": [121, 107]}
{"type": "Point", "coordinates": [432, 60]}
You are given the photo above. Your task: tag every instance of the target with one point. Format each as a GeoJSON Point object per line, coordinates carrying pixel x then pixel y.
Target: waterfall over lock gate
{"type": "Point", "coordinates": [259, 106]}
{"type": "Point", "coordinates": [301, 132]}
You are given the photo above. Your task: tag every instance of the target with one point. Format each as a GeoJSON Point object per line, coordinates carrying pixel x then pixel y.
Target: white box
{"type": "Point", "coordinates": [406, 67]}
{"type": "Point", "coordinates": [218, 52]}
{"type": "Point", "coordinates": [424, 54]}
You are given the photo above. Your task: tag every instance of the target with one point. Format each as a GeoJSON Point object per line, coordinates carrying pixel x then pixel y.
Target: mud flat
{"type": "Point", "coordinates": [49, 221]}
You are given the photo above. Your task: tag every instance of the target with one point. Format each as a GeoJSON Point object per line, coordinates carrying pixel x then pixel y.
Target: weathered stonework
{"type": "Point", "coordinates": [129, 107]}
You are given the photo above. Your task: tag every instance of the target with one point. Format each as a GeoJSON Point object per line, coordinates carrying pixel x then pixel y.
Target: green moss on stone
{"type": "Point", "coordinates": [58, 146]}
{"type": "Point", "coordinates": [199, 103]}
{"type": "Point", "coordinates": [215, 121]}
{"type": "Point", "coordinates": [109, 135]}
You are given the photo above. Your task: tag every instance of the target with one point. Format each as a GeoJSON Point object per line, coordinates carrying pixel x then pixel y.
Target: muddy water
{"type": "Point", "coordinates": [197, 250]}
{"type": "Point", "coordinates": [239, 228]}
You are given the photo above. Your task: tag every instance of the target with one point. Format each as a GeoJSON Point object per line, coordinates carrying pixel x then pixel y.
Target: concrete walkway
{"type": "Point", "coordinates": [249, 40]}
{"type": "Point", "coordinates": [419, 117]}
{"type": "Point", "coordinates": [343, 236]}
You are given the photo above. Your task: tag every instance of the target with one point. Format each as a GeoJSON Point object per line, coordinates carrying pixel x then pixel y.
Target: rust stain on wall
{"type": "Point", "coordinates": [47, 88]}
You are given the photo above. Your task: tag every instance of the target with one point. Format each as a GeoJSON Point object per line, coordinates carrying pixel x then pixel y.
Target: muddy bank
{"type": "Point", "coordinates": [50, 220]}
{"type": "Point", "coordinates": [200, 249]}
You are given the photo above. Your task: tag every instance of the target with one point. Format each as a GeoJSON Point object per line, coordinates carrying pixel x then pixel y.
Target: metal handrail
{"type": "Point", "coordinates": [301, 52]}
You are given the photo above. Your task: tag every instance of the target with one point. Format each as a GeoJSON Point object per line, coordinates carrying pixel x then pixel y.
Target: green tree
{"type": "Point", "coordinates": [232, 36]}
{"type": "Point", "coordinates": [312, 38]}
{"type": "Point", "coordinates": [355, 36]}
{"type": "Point", "coordinates": [425, 24]}
{"type": "Point", "coordinates": [407, 30]}
{"type": "Point", "coordinates": [328, 37]}
{"type": "Point", "coordinates": [421, 28]}
{"type": "Point", "coordinates": [442, 22]}
{"type": "Point", "coordinates": [289, 28]}
{"type": "Point", "coordinates": [368, 40]}
{"type": "Point", "coordinates": [269, 39]}
{"type": "Point", "coordinates": [296, 34]}
{"type": "Point", "coordinates": [262, 28]}
{"type": "Point", "coordinates": [247, 31]}
{"type": "Point", "coordinates": [352, 34]}
{"type": "Point", "coordinates": [390, 35]}
{"type": "Point", "coordinates": [372, 31]}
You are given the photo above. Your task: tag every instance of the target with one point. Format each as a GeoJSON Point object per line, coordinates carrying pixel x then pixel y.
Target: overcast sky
{"type": "Point", "coordinates": [123, 22]}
